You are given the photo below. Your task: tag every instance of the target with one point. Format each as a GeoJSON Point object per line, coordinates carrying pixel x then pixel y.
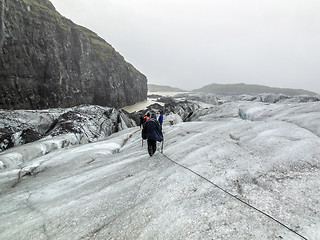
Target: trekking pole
{"type": "Point", "coordinates": [142, 142]}
{"type": "Point", "coordinates": [162, 146]}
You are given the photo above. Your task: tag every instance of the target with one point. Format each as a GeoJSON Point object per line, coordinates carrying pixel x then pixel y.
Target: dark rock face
{"type": "Point", "coordinates": [89, 123]}
{"type": "Point", "coordinates": [48, 61]}
{"type": "Point", "coordinates": [185, 109]}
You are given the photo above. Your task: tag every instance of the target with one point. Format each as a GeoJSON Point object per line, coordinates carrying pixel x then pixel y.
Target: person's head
{"type": "Point", "coordinates": [153, 115]}
{"type": "Point", "coordinates": [148, 114]}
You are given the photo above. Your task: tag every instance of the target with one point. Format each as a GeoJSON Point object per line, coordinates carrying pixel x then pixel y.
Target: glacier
{"type": "Point", "coordinates": [264, 153]}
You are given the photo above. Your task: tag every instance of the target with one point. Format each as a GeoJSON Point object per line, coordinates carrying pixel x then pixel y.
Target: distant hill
{"type": "Point", "coordinates": [160, 88]}
{"type": "Point", "coordinates": [251, 89]}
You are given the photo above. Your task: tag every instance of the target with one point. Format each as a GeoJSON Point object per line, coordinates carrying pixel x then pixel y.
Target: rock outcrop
{"type": "Point", "coordinates": [89, 123]}
{"type": "Point", "coordinates": [48, 61]}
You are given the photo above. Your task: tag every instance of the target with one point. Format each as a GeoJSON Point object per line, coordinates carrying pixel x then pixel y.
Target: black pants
{"type": "Point", "coordinates": [152, 146]}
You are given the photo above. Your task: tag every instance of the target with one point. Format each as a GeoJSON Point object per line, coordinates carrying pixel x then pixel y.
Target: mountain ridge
{"type": "Point", "coordinates": [242, 88]}
{"type": "Point", "coordinates": [234, 89]}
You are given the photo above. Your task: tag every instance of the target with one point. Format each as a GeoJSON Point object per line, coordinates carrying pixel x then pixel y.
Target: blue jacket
{"type": "Point", "coordinates": [152, 130]}
{"type": "Point", "coordinates": [160, 119]}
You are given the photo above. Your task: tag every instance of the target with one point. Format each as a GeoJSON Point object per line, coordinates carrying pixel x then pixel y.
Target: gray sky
{"type": "Point", "coordinates": [192, 43]}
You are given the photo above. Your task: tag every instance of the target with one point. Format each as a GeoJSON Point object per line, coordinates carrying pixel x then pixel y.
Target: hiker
{"type": "Point", "coordinates": [152, 131]}
{"type": "Point", "coordinates": [146, 117]}
{"type": "Point", "coordinates": [160, 119]}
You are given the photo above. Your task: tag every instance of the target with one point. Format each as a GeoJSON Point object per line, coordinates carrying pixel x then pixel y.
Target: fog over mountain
{"type": "Point", "coordinates": [189, 44]}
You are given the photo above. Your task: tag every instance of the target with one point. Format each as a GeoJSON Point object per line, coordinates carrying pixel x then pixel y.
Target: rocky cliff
{"type": "Point", "coordinates": [48, 61]}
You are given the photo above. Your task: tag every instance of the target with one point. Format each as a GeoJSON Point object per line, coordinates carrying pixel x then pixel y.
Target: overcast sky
{"type": "Point", "coordinates": [192, 43]}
